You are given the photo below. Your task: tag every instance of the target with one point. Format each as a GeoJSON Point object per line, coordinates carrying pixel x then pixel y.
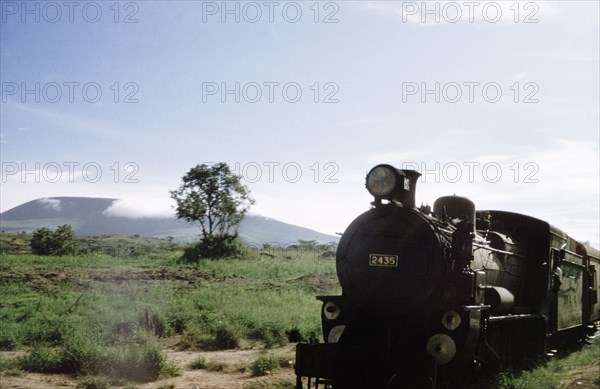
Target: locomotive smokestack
{"type": "Point", "coordinates": [408, 194]}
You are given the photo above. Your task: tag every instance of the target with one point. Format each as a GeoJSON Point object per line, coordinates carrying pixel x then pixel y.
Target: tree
{"type": "Point", "coordinates": [63, 241]}
{"type": "Point", "coordinates": [215, 198]}
{"type": "Point", "coordinates": [41, 241]}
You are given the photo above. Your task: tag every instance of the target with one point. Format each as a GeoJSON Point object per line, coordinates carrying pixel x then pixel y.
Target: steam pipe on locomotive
{"type": "Point", "coordinates": [430, 295]}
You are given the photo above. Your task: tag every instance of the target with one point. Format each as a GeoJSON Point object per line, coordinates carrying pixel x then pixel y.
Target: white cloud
{"type": "Point", "coordinates": [140, 207]}
{"type": "Point", "coordinates": [51, 203]}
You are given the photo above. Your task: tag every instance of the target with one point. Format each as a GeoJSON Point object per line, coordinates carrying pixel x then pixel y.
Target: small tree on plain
{"type": "Point", "coordinates": [63, 241]}
{"type": "Point", "coordinates": [215, 198]}
{"type": "Point", "coordinates": [41, 241]}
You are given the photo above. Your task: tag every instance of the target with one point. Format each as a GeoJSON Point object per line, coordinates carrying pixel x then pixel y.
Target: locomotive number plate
{"type": "Point", "coordinates": [384, 260]}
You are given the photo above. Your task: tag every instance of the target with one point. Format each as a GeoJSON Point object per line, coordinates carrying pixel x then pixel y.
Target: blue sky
{"type": "Point", "coordinates": [465, 91]}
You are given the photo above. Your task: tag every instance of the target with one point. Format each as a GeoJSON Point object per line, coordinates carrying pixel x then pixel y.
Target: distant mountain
{"type": "Point", "coordinates": [89, 216]}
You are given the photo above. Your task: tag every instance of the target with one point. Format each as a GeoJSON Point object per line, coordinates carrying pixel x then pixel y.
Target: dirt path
{"type": "Point", "coordinates": [233, 371]}
{"type": "Point", "coordinates": [231, 378]}
{"type": "Point", "coordinates": [230, 371]}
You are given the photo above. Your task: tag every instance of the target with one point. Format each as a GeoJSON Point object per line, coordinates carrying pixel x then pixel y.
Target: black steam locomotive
{"type": "Point", "coordinates": [432, 295]}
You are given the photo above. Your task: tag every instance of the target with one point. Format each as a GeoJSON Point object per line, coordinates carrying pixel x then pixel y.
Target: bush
{"type": "Point", "coordinates": [44, 360]}
{"type": "Point", "coordinates": [41, 241]}
{"type": "Point", "coordinates": [199, 363]}
{"type": "Point", "coordinates": [213, 247]}
{"type": "Point", "coordinates": [295, 335]}
{"type": "Point", "coordinates": [5, 364]}
{"type": "Point", "coordinates": [154, 323]}
{"type": "Point", "coordinates": [227, 338]}
{"type": "Point", "coordinates": [271, 334]}
{"type": "Point", "coordinates": [264, 365]}
{"type": "Point", "coordinates": [191, 254]}
{"type": "Point", "coordinates": [137, 362]}
{"type": "Point", "coordinates": [178, 323]}
{"type": "Point", "coordinates": [7, 343]}
{"type": "Point", "coordinates": [63, 241]}
{"type": "Point", "coordinates": [43, 328]}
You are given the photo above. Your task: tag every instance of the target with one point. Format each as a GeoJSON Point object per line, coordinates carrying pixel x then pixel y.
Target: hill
{"type": "Point", "coordinates": [89, 217]}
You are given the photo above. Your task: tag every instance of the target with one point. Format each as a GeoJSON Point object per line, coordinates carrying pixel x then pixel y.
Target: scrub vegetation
{"type": "Point", "coordinates": [579, 369]}
{"type": "Point", "coordinates": [104, 317]}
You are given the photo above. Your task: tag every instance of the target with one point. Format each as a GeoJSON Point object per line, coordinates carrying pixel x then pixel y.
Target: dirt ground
{"type": "Point", "coordinates": [231, 376]}
{"type": "Point", "coordinates": [585, 378]}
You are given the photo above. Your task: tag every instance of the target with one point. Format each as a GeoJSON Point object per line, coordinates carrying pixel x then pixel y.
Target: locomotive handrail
{"type": "Point", "coordinates": [498, 250]}
{"type": "Point", "coordinates": [468, 308]}
{"type": "Point", "coordinates": [571, 253]}
{"type": "Point", "coordinates": [514, 317]}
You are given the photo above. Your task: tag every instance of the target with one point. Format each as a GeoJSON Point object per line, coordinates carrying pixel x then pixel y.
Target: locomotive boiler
{"type": "Point", "coordinates": [431, 295]}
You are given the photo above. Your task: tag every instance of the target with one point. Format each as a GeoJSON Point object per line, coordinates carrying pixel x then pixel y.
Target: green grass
{"type": "Point", "coordinates": [102, 316]}
{"type": "Point", "coordinates": [202, 363]}
{"type": "Point", "coordinates": [550, 374]}
{"type": "Point", "coordinates": [117, 246]}
{"type": "Point", "coordinates": [94, 382]}
{"type": "Point", "coordinates": [264, 365]}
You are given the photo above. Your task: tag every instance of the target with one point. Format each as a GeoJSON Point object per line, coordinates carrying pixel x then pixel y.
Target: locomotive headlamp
{"type": "Point", "coordinates": [382, 181]}
{"type": "Point", "coordinates": [387, 182]}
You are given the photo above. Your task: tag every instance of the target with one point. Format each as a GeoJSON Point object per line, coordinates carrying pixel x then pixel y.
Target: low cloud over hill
{"type": "Point", "coordinates": [99, 216]}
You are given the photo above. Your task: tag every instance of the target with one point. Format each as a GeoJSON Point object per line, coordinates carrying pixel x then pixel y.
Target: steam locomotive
{"type": "Point", "coordinates": [431, 295]}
